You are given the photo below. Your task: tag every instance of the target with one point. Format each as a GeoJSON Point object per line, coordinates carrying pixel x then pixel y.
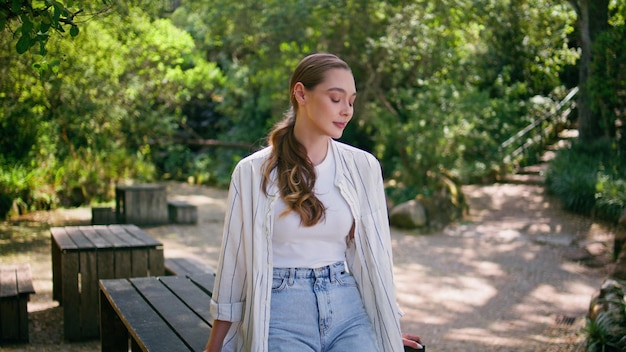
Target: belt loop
{"type": "Point", "coordinates": [332, 273]}
{"type": "Point", "coordinates": [292, 276]}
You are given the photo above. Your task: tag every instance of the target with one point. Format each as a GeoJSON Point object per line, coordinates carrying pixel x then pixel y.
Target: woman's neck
{"type": "Point", "coordinates": [316, 145]}
{"type": "Point", "coordinates": [318, 153]}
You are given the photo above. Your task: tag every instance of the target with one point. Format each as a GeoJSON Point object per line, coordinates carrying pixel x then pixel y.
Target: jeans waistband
{"type": "Point", "coordinates": [328, 271]}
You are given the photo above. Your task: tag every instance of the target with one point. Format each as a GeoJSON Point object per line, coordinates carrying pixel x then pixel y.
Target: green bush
{"type": "Point", "coordinates": [606, 333]}
{"type": "Point", "coordinates": [610, 198]}
{"type": "Point", "coordinates": [21, 189]}
{"type": "Point", "coordinates": [590, 179]}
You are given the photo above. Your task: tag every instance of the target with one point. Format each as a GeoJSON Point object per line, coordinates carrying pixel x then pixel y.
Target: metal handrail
{"type": "Point", "coordinates": [535, 124]}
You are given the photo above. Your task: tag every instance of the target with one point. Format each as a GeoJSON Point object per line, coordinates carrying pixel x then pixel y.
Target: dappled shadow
{"type": "Point", "coordinates": [489, 283]}
{"type": "Point", "coordinates": [17, 237]}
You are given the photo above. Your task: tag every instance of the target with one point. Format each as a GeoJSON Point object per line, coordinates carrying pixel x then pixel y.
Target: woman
{"type": "Point", "coordinates": [306, 262]}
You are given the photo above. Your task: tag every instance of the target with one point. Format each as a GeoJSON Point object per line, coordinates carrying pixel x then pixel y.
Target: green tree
{"type": "Point", "coordinates": [33, 22]}
{"type": "Point", "coordinates": [606, 86]}
{"type": "Point", "coordinates": [98, 111]}
{"type": "Point", "coordinates": [592, 21]}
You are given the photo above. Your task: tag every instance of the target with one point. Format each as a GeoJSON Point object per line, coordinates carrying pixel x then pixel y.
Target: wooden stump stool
{"type": "Point", "coordinates": [182, 212]}
{"type": "Point", "coordinates": [102, 216]}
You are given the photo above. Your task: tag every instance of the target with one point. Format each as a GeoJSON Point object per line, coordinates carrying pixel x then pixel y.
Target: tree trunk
{"type": "Point", "coordinates": [592, 20]}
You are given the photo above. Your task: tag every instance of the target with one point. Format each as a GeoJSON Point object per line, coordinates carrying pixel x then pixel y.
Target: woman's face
{"type": "Point", "coordinates": [326, 109]}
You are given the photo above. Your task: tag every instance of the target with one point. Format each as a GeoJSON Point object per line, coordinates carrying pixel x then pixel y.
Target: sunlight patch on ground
{"type": "Point", "coordinates": [480, 335]}
{"type": "Point", "coordinates": [467, 293]}
{"type": "Point", "coordinates": [489, 269]}
{"type": "Point", "coordinates": [546, 298]}
{"type": "Point", "coordinates": [39, 306]}
{"type": "Point", "coordinates": [459, 294]}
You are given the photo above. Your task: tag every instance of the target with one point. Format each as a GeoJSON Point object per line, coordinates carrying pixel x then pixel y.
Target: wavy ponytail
{"type": "Point", "coordinates": [295, 173]}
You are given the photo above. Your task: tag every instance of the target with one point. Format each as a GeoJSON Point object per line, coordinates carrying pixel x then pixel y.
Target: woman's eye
{"type": "Point", "coordinates": [335, 100]}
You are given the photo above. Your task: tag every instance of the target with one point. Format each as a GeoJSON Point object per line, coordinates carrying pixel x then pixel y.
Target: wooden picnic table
{"type": "Point", "coordinates": [141, 204]}
{"type": "Point", "coordinates": [82, 255]}
{"type": "Point", "coordinates": [157, 314]}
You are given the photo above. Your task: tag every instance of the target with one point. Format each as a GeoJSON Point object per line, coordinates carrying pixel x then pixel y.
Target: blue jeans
{"type": "Point", "coordinates": [318, 310]}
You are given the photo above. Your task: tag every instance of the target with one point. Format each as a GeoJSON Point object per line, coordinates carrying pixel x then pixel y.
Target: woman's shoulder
{"type": "Point", "coordinates": [254, 160]}
{"type": "Point", "coordinates": [260, 154]}
{"type": "Point", "coordinates": [354, 153]}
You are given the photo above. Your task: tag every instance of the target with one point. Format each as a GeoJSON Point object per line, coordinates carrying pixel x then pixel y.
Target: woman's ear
{"type": "Point", "coordinates": [298, 92]}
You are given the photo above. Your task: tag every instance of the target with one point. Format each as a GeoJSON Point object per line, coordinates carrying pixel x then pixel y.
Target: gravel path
{"type": "Point", "coordinates": [507, 278]}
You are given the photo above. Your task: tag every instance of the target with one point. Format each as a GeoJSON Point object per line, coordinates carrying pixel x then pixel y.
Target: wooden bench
{"type": "Point", "coordinates": [186, 267]}
{"type": "Point", "coordinates": [158, 314]}
{"type": "Point", "coordinates": [181, 212]}
{"type": "Point", "coordinates": [16, 286]}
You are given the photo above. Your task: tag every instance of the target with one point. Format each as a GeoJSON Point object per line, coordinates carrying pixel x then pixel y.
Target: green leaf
{"type": "Point", "coordinates": [16, 6]}
{"type": "Point", "coordinates": [42, 47]}
{"type": "Point", "coordinates": [74, 31]}
{"type": "Point", "coordinates": [44, 28]}
{"type": "Point", "coordinates": [57, 13]}
{"type": "Point", "coordinates": [27, 24]}
{"type": "Point", "coordinates": [23, 44]}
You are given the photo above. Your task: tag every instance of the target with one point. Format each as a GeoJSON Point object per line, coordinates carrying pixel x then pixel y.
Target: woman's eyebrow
{"type": "Point", "coordinates": [337, 89]}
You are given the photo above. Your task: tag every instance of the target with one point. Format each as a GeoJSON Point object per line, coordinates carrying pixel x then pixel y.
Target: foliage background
{"type": "Point", "coordinates": [145, 91]}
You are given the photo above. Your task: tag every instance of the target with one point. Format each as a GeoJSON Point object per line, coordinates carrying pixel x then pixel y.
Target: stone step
{"type": "Point", "coordinates": [528, 179]}
{"type": "Point", "coordinates": [538, 169]}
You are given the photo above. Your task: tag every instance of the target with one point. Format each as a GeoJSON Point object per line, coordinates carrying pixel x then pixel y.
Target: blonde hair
{"type": "Point", "coordinates": [295, 173]}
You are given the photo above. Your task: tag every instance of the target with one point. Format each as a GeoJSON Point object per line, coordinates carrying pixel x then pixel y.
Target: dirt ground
{"type": "Point", "coordinates": [516, 275]}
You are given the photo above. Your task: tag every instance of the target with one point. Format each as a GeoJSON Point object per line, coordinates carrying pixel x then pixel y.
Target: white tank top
{"type": "Point", "coordinates": [297, 246]}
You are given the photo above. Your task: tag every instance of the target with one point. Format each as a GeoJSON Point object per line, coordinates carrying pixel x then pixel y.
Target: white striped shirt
{"type": "Point", "coordinates": [243, 284]}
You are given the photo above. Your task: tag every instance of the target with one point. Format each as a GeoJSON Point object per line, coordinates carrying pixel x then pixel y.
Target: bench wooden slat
{"type": "Point", "coordinates": [16, 280]}
{"type": "Point", "coordinates": [70, 263]}
{"type": "Point", "coordinates": [8, 283]}
{"type": "Point", "coordinates": [191, 294]}
{"type": "Point", "coordinates": [204, 281]}
{"type": "Point", "coordinates": [94, 237]}
{"type": "Point", "coordinates": [78, 237]}
{"type": "Point", "coordinates": [24, 280]}
{"type": "Point", "coordinates": [88, 293]}
{"type": "Point", "coordinates": [186, 323]}
{"type": "Point", "coordinates": [186, 267]}
{"type": "Point", "coordinates": [141, 236]}
{"type": "Point", "coordinates": [142, 322]}
{"type": "Point", "coordinates": [126, 237]}
{"type": "Point", "coordinates": [174, 267]}
{"type": "Point", "coordinates": [113, 240]}
{"type": "Point", "coordinates": [157, 266]}
{"type": "Point", "coordinates": [62, 238]}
